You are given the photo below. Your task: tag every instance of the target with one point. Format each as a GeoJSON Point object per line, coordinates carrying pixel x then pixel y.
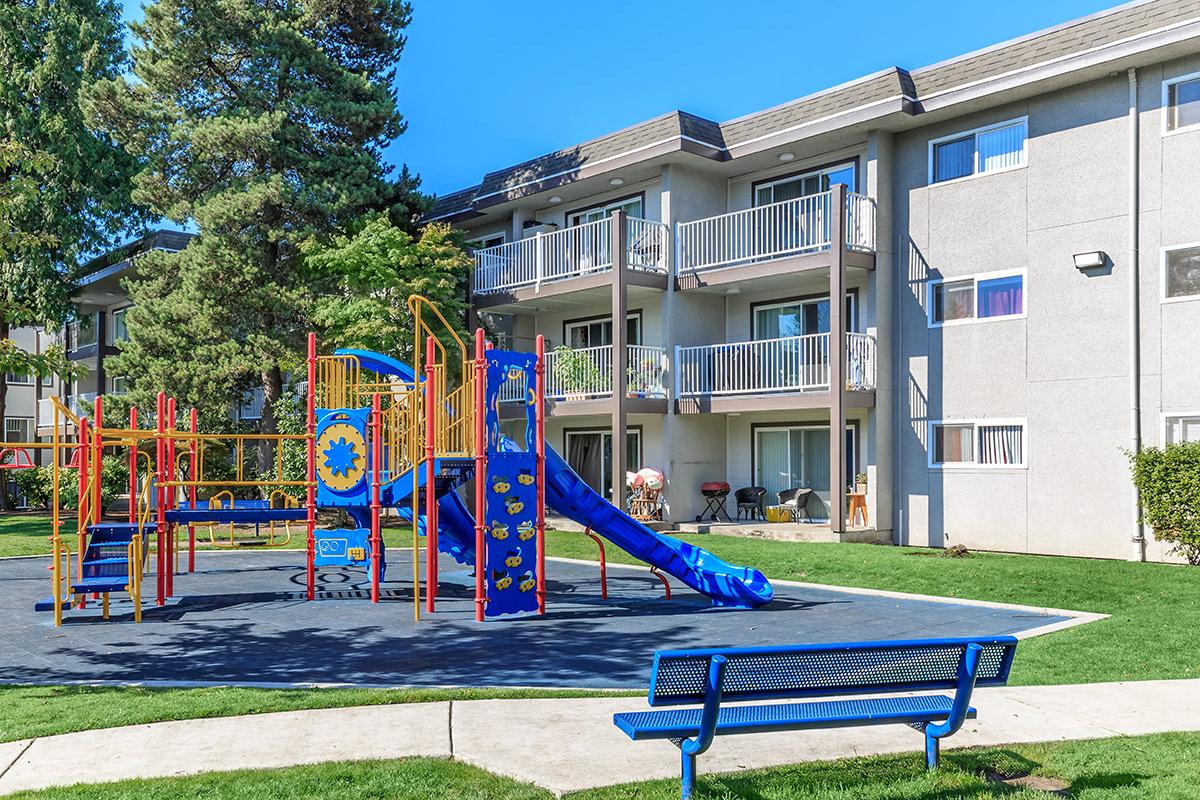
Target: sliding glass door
{"type": "Point", "coordinates": [589, 453]}
{"type": "Point", "coordinates": [788, 457]}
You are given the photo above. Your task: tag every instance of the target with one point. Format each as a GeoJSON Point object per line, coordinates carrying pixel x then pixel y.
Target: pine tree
{"type": "Point", "coordinates": [50, 51]}
{"type": "Point", "coordinates": [263, 122]}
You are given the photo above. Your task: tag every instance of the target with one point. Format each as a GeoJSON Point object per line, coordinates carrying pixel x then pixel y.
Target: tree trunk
{"type": "Point", "coordinates": [272, 384]}
{"type": "Point", "coordinates": [4, 332]}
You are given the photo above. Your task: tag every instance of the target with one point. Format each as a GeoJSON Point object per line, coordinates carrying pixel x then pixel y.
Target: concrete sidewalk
{"type": "Point", "coordinates": [577, 745]}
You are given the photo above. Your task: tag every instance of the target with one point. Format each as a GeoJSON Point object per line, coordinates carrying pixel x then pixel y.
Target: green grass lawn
{"type": "Point", "coordinates": [1161, 767]}
{"type": "Point", "coordinates": [1155, 608]}
{"type": "Point", "coordinates": [27, 534]}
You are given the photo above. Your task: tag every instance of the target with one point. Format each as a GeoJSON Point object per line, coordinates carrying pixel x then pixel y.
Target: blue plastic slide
{"type": "Point", "coordinates": [726, 584]}
{"type": "Point", "coordinates": [566, 493]}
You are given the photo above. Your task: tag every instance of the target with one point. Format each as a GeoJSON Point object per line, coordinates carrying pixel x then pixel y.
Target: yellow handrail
{"type": "Point", "coordinates": [60, 575]}
{"type": "Point", "coordinates": [134, 571]}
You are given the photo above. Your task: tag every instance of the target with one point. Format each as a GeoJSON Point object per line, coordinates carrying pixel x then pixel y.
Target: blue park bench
{"type": "Point", "coordinates": [711, 676]}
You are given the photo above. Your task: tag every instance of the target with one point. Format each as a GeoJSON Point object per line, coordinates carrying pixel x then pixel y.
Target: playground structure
{"type": "Point", "coordinates": [378, 434]}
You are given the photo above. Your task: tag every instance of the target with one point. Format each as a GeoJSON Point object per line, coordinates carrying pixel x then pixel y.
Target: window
{"type": "Point", "coordinates": [987, 296]}
{"type": "Point", "coordinates": [598, 332]}
{"type": "Point", "coordinates": [18, 429]}
{"type": "Point", "coordinates": [13, 379]}
{"type": "Point", "coordinates": [1181, 103]}
{"type": "Point", "coordinates": [798, 317]}
{"type": "Point", "coordinates": [630, 205]}
{"type": "Point", "coordinates": [118, 384]}
{"type": "Point", "coordinates": [590, 454]}
{"type": "Point", "coordinates": [789, 457]}
{"type": "Point", "coordinates": [81, 332]}
{"type": "Point", "coordinates": [980, 151]}
{"type": "Point", "coordinates": [977, 443]}
{"type": "Point", "coordinates": [1179, 428]}
{"type": "Point", "coordinates": [119, 332]}
{"type": "Point", "coordinates": [1181, 272]}
{"type": "Point", "coordinates": [793, 186]}
{"type": "Point", "coordinates": [484, 242]}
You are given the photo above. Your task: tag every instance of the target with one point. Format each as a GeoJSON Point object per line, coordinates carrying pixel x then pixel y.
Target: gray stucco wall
{"type": "Point", "coordinates": [1064, 368]}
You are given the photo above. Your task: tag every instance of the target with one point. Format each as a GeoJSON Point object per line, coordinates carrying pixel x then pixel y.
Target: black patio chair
{"type": "Point", "coordinates": [749, 500]}
{"type": "Point", "coordinates": [796, 502]}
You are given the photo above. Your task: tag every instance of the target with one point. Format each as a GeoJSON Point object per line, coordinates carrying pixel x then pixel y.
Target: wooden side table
{"type": "Point", "coordinates": [857, 504]}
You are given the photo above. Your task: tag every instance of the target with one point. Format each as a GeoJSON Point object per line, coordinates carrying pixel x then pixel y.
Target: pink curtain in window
{"type": "Point", "coordinates": [1001, 297]}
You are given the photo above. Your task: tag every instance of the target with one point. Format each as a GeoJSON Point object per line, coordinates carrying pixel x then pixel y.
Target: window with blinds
{"type": "Point", "coordinates": [990, 149]}
{"type": "Point", "coordinates": [977, 443]}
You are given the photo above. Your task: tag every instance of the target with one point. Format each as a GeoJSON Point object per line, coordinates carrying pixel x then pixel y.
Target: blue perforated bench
{"type": "Point", "coordinates": [714, 676]}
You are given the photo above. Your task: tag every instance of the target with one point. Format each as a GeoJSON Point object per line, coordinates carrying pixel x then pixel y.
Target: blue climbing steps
{"type": "Point", "coordinates": [105, 560]}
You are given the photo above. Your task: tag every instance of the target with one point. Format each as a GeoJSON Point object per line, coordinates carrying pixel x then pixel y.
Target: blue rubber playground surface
{"type": "Point", "coordinates": [242, 618]}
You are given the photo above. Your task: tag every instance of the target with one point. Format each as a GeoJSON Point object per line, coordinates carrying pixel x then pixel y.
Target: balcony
{"type": "Point", "coordinates": [550, 259]}
{"type": "Point", "coordinates": [81, 405]}
{"type": "Point", "coordinates": [575, 377]}
{"type": "Point", "coordinates": [789, 229]}
{"type": "Point", "coordinates": [790, 366]}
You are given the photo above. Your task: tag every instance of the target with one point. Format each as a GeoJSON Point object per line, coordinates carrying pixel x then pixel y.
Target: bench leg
{"type": "Point", "coordinates": [933, 751]}
{"type": "Point", "coordinates": [687, 775]}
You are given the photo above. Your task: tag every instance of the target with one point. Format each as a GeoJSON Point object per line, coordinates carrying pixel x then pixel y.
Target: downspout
{"type": "Point", "coordinates": [1135, 359]}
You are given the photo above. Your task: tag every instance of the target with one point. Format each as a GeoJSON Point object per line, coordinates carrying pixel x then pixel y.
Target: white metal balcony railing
{"type": "Point", "coordinates": [586, 373]}
{"type": "Point", "coordinates": [81, 405]}
{"type": "Point", "coordinates": [568, 253]}
{"type": "Point", "coordinates": [788, 364]}
{"type": "Point", "coordinates": [787, 228]}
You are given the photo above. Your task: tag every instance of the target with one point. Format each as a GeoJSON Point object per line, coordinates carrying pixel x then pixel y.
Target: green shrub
{"type": "Point", "coordinates": [1169, 483]}
{"type": "Point", "coordinates": [37, 484]}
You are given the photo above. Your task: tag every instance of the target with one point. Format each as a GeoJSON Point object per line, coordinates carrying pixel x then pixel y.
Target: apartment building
{"type": "Point", "coordinates": [982, 276]}
{"type": "Point", "coordinates": [98, 323]}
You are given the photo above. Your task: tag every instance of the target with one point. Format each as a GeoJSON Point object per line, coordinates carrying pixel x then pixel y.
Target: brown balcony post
{"type": "Point", "coordinates": [837, 360]}
{"type": "Point", "coordinates": [620, 352]}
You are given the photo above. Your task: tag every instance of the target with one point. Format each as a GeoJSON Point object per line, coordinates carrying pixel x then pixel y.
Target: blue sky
{"type": "Point", "coordinates": [487, 83]}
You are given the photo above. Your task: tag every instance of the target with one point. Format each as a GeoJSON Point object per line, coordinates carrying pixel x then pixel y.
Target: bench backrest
{"type": "Point", "coordinates": [761, 673]}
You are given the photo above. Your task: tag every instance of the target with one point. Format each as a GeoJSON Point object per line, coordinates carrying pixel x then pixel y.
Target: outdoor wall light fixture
{"type": "Point", "coordinates": [1090, 260]}
{"type": "Point", "coordinates": [786, 156]}
{"type": "Point", "coordinates": [615, 181]}
{"type": "Point", "coordinates": [555, 198]}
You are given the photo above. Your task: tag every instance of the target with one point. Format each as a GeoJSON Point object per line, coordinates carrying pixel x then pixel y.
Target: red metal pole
{"type": "Point", "coordinates": [603, 562]}
{"type": "Point", "coordinates": [310, 497]}
{"type": "Point", "coordinates": [540, 434]}
{"type": "Point", "coordinates": [431, 543]}
{"type": "Point", "coordinates": [194, 469]}
{"type": "Point", "coordinates": [133, 468]}
{"type": "Point", "coordinates": [172, 494]}
{"type": "Point", "coordinates": [480, 469]}
{"type": "Point", "coordinates": [160, 496]}
{"type": "Point", "coordinates": [97, 455]}
{"type": "Point", "coordinates": [97, 463]}
{"type": "Point", "coordinates": [376, 480]}
{"type": "Point", "coordinates": [85, 455]}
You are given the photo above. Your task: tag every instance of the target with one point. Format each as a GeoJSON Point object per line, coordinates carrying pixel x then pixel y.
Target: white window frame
{"type": "Point", "coordinates": [930, 295]}
{"type": "Point", "coordinates": [1166, 109]}
{"type": "Point", "coordinates": [974, 133]}
{"type": "Point", "coordinates": [976, 423]}
{"type": "Point", "coordinates": [1162, 270]}
{"type": "Point", "coordinates": [32, 429]}
{"type": "Point", "coordinates": [112, 324]}
{"type": "Point", "coordinates": [571, 218]}
{"type": "Point", "coordinates": [477, 242]}
{"type": "Point", "coordinates": [799, 176]}
{"type": "Point", "coordinates": [12, 379]}
{"type": "Point", "coordinates": [851, 323]}
{"type": "Point", "coordinates": [1167, 416]}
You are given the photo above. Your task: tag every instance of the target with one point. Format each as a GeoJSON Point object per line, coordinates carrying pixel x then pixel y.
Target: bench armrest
{"type": "Point", "coordinates": [712, 706]}
{"type": "Point", "coordinates": [968, 671]}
